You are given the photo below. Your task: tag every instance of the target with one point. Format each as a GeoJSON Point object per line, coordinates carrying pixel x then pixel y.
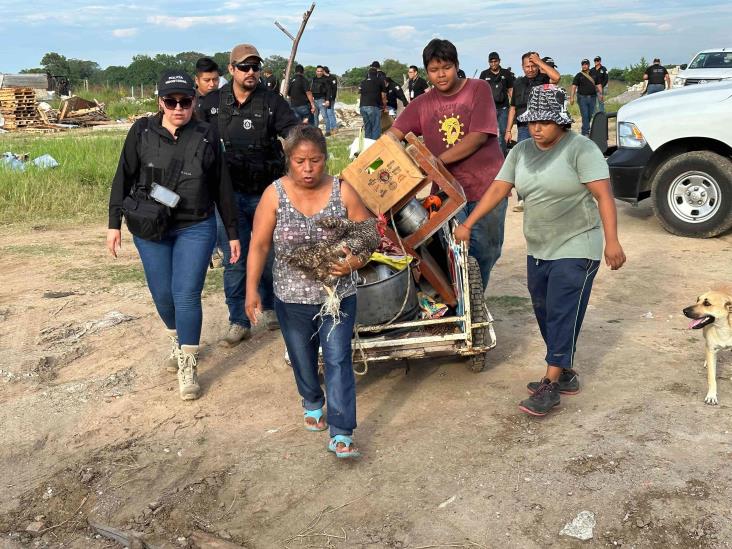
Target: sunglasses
{"type": "Point", "coordinates": [184, 102]}
{"type": "Point", "coordinates": [246, 67]}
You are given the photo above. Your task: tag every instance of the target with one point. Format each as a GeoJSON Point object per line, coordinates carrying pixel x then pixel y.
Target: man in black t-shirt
{"type": "Point", "coordinates": [657, 78]}
{"type": "Point", "coordinates": [320, 86]}
{"type": "Point", "coordinates": [333, 89]}
{"type": "Point", "coordinates": [416, 85]}
{"type": "Point", "coordinates": [587, 91]}
{"type": "Point", "coordinates": [394, 92]}
{"type": "Point", "coordinates": [270, 80]}
{"type": "Point", "coordinates": [373, 101]}
{"type": "Point", "coordinates": [501, 83]}
{"type": "Point", "coordinates": [599, 73]}
{"type": "Point", "coordinates": [301, 98]}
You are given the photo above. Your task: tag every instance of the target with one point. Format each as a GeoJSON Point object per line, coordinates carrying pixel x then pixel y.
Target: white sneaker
{"type": "Point", "coordinates": [187, 372]}
{"type": "Point", "coordinates": [235, 335]}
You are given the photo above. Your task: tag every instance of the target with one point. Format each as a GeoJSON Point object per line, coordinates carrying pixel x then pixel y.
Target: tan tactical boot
{"type": "Point", "coordinates": [170, 363]}
{"type": "Point", "coordinates": [187, 374]}
{"type": "Point", "coordinates": [235, 335]}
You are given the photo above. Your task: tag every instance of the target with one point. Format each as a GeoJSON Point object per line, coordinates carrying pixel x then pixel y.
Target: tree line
{"type": "Point", "coordinates": [145, 69]}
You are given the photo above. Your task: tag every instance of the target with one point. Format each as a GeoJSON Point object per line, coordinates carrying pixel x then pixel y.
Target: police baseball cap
{"type": "Point", "coordinates": [375, 65]}
{"type": "Point", "coordinates": [598, 58]}
{"type": "Point", "coordinates": [493, 55]}
{"type": "Point", "coordinates": [585, 61]}
{"type": "Point", "coordinates": [242, 52]}
{"type": "Point", "coordinates": [175, 82]}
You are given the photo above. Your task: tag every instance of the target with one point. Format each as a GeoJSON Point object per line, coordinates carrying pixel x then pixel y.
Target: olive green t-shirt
{"type": "Point", "coordinates": [561, 219]}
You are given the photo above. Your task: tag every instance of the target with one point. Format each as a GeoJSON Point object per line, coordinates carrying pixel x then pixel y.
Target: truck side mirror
{"type": "Point", "coordinates": [683, 67]}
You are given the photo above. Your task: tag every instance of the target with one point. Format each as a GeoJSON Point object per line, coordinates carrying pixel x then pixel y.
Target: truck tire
{"type": "Point", "coordinates": [691, 194]}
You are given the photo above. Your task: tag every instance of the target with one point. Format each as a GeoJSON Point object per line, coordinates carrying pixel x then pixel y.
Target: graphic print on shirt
{"type": "Point", "coordinates": [452, 129]}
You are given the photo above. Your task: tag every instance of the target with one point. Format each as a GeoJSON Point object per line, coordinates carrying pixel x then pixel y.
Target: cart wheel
{"type": "Point", "coordinates": [477, 313]}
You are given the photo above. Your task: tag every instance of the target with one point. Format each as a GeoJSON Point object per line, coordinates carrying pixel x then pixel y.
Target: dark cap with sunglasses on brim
{"type": "Point", "coordinates": [175, 82]}
{"type": "Point", "coordinates": [242, 52]}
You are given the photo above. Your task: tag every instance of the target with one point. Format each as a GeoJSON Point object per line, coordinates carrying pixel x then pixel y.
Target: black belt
{"type": "Point", "coordinates": [588, 94]}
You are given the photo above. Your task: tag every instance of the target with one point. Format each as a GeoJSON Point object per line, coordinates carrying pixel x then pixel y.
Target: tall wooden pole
{"type": "Point", "coordinates": [295, 42]}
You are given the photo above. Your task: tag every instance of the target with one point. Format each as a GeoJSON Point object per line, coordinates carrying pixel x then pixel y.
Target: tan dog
{"type": "Point", "coordinates": [713, 313]}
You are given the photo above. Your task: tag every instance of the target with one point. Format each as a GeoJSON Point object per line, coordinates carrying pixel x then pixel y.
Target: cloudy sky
{"type": "Point", "coordinates": [343, 34]}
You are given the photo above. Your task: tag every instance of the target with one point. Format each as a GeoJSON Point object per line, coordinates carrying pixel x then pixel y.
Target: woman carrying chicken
{"type": "Point", "coordinates": [288, 214]}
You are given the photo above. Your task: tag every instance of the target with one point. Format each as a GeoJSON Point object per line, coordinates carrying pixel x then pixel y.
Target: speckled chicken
{"type": "Point", "coordinates": [361, 237]}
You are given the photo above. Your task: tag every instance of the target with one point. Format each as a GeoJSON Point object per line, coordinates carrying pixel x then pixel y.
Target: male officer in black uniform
{"type": "Point", "coordinates": [320, 86]}
{"type": "Point", "coordinates": [656, 77]}
{"type": "Point", "coordinates": [587, 90]}
{"type": "Point", "coordinates": [301, 98]}
{"type": "Point", "coordinates": [249, 118]}
{"type": "Point", "coordinates": [394, 92]}
{"type": "Point", "coordinates": [416, 85]}
{"type": "Point", "coordinates": [599, 73]}
{"type": "Point", "coordinates": [501, 83]}
{"type": "Point", "coordinates": [330, 111]}
{"type": "Point", "coordinates": [270, 80]}
{"type": "Point", "coordinates": [373, 101]}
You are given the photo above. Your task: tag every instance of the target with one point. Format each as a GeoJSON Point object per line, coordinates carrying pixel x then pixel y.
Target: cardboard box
{"type": "Point", "coordinates": [383, 174]}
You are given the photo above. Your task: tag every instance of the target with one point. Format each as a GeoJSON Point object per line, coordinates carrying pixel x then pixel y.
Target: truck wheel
{"type": "Point", "coordinates": [477, 313]}
{"type": "Point", "coordinates": [691, 194]}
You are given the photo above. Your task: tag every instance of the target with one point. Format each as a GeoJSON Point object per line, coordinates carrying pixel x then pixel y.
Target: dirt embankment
{"type": "Point", "coordinates": [93, 430]}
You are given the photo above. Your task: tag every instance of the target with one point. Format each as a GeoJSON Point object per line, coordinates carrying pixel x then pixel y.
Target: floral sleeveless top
{"type": "Point", "coordinates": [294, 229]}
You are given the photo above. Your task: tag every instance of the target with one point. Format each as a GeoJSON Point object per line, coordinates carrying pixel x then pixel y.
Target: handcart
{"type": "Point", "coordinates": [388, 177]}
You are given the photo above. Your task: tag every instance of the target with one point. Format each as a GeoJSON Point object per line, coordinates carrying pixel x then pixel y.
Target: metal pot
{"type": "Point", "coordinates": [379, 301]}
{"type": "Point", "coordinates": [411, 217]}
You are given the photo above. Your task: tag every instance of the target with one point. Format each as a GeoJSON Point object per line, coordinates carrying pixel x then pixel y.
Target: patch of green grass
{"type": "Point", "coordinates": [78, 189]}
{"type": "Point", "coordinates": [39, 250]}
{"type": "Point", "coordinates": [510, 303]}
{"type": "Point", "coordinates": [111, 275]}
{"type": "Point", "coordinates": [348, 96]}
{"type": "Point", "coordinates": [338, 154]}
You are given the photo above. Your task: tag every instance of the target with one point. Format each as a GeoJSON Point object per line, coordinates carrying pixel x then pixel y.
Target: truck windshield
{"type": "Point", "coordinates": [712, 60]}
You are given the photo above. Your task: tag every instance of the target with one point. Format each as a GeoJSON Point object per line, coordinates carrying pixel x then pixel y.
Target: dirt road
{"type": "Point", "coordinates": [92, 429]}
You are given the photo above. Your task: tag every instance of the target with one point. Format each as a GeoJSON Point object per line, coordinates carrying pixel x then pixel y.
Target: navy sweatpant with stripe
{"type": "Point", "coordinates": [560, 290]}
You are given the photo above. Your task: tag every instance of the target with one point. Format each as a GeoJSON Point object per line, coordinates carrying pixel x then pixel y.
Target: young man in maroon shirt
{"type": "Point", "coordinates": [458, 122]}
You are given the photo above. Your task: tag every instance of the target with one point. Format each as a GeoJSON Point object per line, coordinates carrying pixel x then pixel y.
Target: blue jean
{"type": "Point", "coordinates": [523, 133]}
{"type": "Point", "coordinates": [560, 290]}
{"type": "Point", "coordinates": [235, 274]}
{"type": "Point", "coordinates": [304, 332]}
{"type": "Point", "coordinates": [332, 117]}
{"type": "Point", "coordinates": [175, 270]}
{"type": "Point", "coordinates": [303, 113]}
{"type": "Point", "coordinates": [655, 88]}
{"type": "Point", "coordinates": [586, 105]}
{"type": "Point", "coordinates": [486, 237]}
{"type": "Point", "coordinates": [371, 122]}
{"type": "Point", "coordinates": [502, 118]}
{"type": "Point", "coordinates": [601, 102]}
{"type": "Point", "coordinates": [322, 110]}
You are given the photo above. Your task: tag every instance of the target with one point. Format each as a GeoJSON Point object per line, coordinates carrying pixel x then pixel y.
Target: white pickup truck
{"type": "Point", "coordinates": [675, 147]}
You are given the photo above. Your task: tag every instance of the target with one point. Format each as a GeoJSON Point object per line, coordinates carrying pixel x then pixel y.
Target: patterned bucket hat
{"type": "Point", "coordinates": [547, 102]}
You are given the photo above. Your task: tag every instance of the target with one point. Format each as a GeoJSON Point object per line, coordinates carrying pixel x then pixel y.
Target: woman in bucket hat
{"type": "Point", "coordinates": [569, 204]}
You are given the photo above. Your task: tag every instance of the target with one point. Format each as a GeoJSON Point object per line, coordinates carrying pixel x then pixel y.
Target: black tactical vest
{"type": "Point", "coordinates": [156, 154]}
{"type": "Point", "coordinates": [254, 156]}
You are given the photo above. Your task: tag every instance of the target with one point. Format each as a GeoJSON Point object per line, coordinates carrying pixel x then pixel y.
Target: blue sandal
{"type": "Point", "coordinates": [317, 415]}
{"type": "Point", "coordinates": [343, 452]}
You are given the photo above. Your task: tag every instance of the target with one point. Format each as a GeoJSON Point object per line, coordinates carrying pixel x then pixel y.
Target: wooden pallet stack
{"type": "Point", "coordinates": [18, 108]}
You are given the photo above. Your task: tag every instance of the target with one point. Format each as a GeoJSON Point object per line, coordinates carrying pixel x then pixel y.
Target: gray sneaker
{"type": "Point", "coordinates": [235, 335]}
{"type": "Point", "coordinates": [187, 372]}
{"type": "Point", "coordinates": [269, 318]}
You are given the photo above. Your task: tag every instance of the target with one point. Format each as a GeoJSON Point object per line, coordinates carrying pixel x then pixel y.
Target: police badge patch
{"type": "Point", "coordinates": [247, 124]}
